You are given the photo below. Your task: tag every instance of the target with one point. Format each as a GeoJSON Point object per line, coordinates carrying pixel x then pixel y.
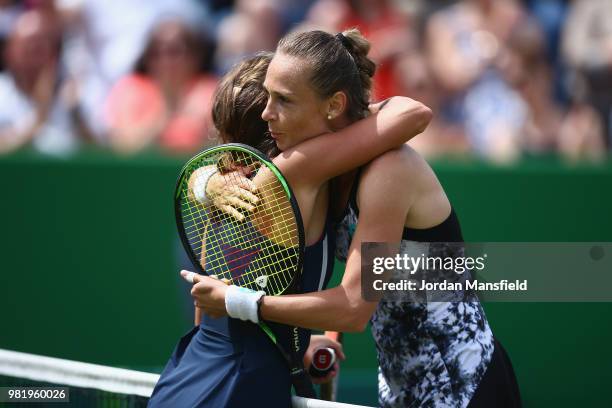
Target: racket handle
{"type": "Point", "coordinates": [323, 361]}
{"type": "Point", "coordinates": [329, 390]}
{"type": "Point", "coordinates": [302, 384]}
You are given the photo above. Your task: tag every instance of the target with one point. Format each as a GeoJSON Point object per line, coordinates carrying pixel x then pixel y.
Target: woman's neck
{"type": "Point", "coordinates": [339, 123]}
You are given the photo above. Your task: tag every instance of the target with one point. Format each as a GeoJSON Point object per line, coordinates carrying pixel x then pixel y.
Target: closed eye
{"type": "Point", "coordinates": [276, 95]}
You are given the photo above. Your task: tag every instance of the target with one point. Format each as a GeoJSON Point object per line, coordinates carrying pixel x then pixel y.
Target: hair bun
{"type": "Point", "coordinates": [359, 47]}
{"type": "Point", "coordinates": [345, 41]}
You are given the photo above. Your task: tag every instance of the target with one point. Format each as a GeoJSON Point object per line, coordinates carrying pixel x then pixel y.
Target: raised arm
{"type": "Point", "coordinates": [335, 153]}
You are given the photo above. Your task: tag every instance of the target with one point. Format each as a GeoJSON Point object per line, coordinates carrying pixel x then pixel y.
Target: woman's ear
{"type": "Point", "coordinates": [336, 105]}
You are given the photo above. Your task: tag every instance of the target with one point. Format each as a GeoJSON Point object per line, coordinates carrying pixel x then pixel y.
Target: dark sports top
{"type": "Point", "coordinates": [429, 353]}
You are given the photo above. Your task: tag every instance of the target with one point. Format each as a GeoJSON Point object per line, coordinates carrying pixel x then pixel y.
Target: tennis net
{"type": "Point", "coordinates": [87, 385]}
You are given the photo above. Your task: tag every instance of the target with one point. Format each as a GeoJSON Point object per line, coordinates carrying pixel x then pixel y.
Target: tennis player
{"type": "Point", "coordinates": [438, 354]}
{"type": "Point", "coordinates": [229, 362]}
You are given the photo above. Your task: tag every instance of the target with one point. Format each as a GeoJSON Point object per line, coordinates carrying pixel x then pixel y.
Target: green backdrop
{"type": "Point", "coordinates": [89, 267]}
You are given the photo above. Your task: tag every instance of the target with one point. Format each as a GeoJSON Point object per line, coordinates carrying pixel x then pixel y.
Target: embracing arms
{"type": "Point", "coordinates": [383, 208]}
{"type": "Point", "coordinates": [335, 153]}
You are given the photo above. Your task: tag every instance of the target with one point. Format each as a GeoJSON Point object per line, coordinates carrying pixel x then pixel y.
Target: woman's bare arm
{"type": "Point", "coordinates": [383, 207]}
{"type": "Point", "coordinates": [335, 153]}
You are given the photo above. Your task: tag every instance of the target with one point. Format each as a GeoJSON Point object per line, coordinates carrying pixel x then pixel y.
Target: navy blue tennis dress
{"type": "Point", "coordinates": [434, 354]}
{"type": "Point", "coordinates": [228, 362]}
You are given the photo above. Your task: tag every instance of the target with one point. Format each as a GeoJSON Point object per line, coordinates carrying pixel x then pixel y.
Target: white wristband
{"type": "Point", "coordinates": [241, 303]}
{"type": "Point", "coordinates": [200, 183]}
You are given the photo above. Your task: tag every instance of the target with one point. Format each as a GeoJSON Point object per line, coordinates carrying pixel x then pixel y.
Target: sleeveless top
{"type": "Point", "coordinates": [430, 354]}
{"type": "Point", "coordinates": [227, 362]}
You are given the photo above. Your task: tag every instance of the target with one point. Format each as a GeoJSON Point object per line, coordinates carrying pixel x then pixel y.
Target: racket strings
{"type": "Point", "coordinates": [284, 216]}
{"type": "Point", "coordinates": [289, 231]}
{"type": "Point", "coordinates": [270, 262]}
{"type": "Point", "coordinates": [240, 251]}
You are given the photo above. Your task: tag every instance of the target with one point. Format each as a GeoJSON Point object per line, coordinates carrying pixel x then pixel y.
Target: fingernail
{"type": "Point", "coordinates": [188, 276]}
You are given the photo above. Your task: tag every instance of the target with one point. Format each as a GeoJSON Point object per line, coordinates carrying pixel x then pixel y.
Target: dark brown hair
{"type": "Point", "coordinates": [239, 101]}
{"type": "Point", "coordinates": [338, 63]}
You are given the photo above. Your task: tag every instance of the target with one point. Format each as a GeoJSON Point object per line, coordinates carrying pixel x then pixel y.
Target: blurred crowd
{"type": "Point", "coordinates": [505, 78]}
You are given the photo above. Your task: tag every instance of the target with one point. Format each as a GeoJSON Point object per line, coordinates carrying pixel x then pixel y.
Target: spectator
{"type": "Point", "coordinates": [581, 136]}
{"type": "Point", "coordinates": [105, 39]}
{"type": "Point", "coordinates": [166, 100]}
{"type": "Point", "coordinates": [255, 25]}
{"type": "Point", "coordinates": [587, 47]}
{"type": "Point", "coordinates": [546, 128]}
{"type": "Point", "coordinates": [391, 32]}
{"type": "Point", "coordinates": [9, 11]}
{"type": "Point", "coordinates": [525, 67]}
{"type": "Point", "coordinates": [551, 15]}
{"type": "Point", "coordinates": [463, 39]}
{"type": "Point", "coordinates": [463, 42]}
{"type": "Point", "coordinates": [38, 106]}
{"type": "Point", "coordinates": [414, 79]}
{"type": "Point", "coordinates": [390, 29]}
{"type": "Point", "coordinates": [293, 13]}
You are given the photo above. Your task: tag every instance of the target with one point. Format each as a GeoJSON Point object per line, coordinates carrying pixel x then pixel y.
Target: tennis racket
{"type": "Point", "coordinates": [329, 391]}
{"type": "Point", "coordinates": [261, 249]}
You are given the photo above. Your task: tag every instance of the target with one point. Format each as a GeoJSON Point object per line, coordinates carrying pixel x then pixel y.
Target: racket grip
{"type": "Point", "coordinates": [323, 361]}
{"type": "Point", "coordinates": [302, 384]}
